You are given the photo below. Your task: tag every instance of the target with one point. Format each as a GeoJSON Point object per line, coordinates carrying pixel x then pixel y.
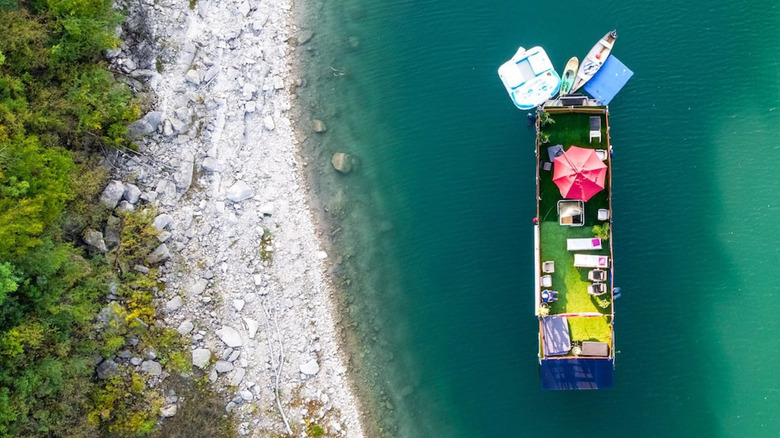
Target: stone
{"type": "Point", "coordinates": [112, 231]}
{"type": "Point", "coordinates": [319, 126]}
{"type": "Point", "coordinates": [258, 278]}
{"type": "Point", "coordinates": [238, 305]}
{"type": "Point", "coordinates": [151, 367]}
{"type": "Point", "coordinates": [135, 361]}
{"type": "Point", "coordinates": [304, 36]}
{"type": "Point", "coordinates": [167, 128]}
{"type": "Point", "coordinates": [211, 73]}
{"type": "Point", "coordinates": [246, 395]}
{"type": "Point", "coordinates": [322, 255]}
{"type": "Point", "coordinates": [174, 304]}
{"type": "Point", "coordinates": [107, 369]}
{"type": "Point", "coordinates": [94, 239]}
{"type": "Point", "coordinates": [239, 191]}
{"type": "Point", "coordinates": [183, 176]}
{"type": "Point", "coordinates": [159, 255]}
{"type": "Point", "coordinates": [342, 162]}
{"type": "Point", "coordinates": [193, 77]}
{"type": "Point", "coordinates": [201, 357]}
{"type": "Point", "coordinates": [230, 406]}
{"type": "Point", "coordinates": [251, 327]}
{"type": "Point", "coordinates": [223, 366]}
{"type": "Point", "coordinates": [234, 356]}
{"type": "Point", "coordinates": [125, 206]}
{"type": "Point", "coordinates": [211, 164]}
{"type": "Point", "coordinates": [230, 336]}
{"type": "Point", "coordinates": [185, 327]}
{"type": "Point", "coordinates": [112, 194]}
{"type": "Point", "coordinates": [197, 287]}
{"type": "Point", "coordinates": [310, 368]}
{"type": "Point", "coordinates": [169, 410]}
{"type": "Point", "coordinates": [268, 123]}
{"type": "Point", "coordinates": [132, 193]}
{"type": "Point", "coordinates": [162, 221]}
{"type": "Point", "coordinates": [164, 236]}
{"type": "Point", "coordinates": [237, 376]}
{"type": "Point", "coordinates": [266, 209]}
{"type": "Point", "coordinates": [147, 125]}
{"type": "Point", "coordinates": [244, 8]}
{"type": "Point", "coordinates": [141, 268]}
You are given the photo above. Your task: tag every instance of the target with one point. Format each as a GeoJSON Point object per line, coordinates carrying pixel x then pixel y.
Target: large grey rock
{"type": "Point", "coordinates": [237, 376]}
{"type": "Point", "coordinates": [319, 126]}
{"type": "Point", "coordinates": [211, 164]}
{"type": "Point", "coordinates": [201, 357]}
{"type": "Point", "coordinates": [151, 367]}
{"type": "Point", "coordinates": [112, 194]}
{"type": "Point", "coordinates": [173, 304]}
{"type": "Point", "coordinates": [239, 192]}
{"type": "Point", "coordinates": [168, 411]}
{"type": "Point", "coordinates": [342, 162]}
{"type": "Point", "coordinates": [112, 231]}
{"type": "Point", "coordinates": [185, 327]}
{"type": "Point", "coordinates": [107, 369]}
{"type": "Point", "coordinates": [230, 336]}
{"type": "Point", "coordinates": [310, 368]}
{"type": "Point", "coordinates": [147, 125]}
{"type": "Point", "coordinates": [94, 239]}
{"type": "Point", "coordinates": [159, 255]}
{"type": "Point", "coordinates": [197, 287]}
{"type": "Point", "coordinates": [223, 366]}
{"type": "Point", "coordinates": [304, 36]}
{"type": "Point", "coordinates": [162, 221]}
{"type": "Point", "coordinates": [183, 176]}
{"type": "Point", "coordinates": [251, 327]}
{"type": "Point", "coordinates": [132, 193]}
{"type": "Point", "coordinates": [211, 73]}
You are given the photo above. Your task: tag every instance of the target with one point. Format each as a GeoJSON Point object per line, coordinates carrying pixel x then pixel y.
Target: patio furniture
{"type": "Point", "coordinates": [602, 153]}
{"type": "Point", "coordinates": [546, 281]}
{"type": "Point", "coordinates": [571, 212]}
{"type": "Point", "coordinates": [597, 289]}
{"type": "Point", "coordinates": [546, 165]}
{"type": "Point", "coordinates": [597, 275]}
{"type": "Point", "coordinates": [548, 267]}
{"type": "Point", "coordinates": [554, 151]}
{"type": "Point", "coordinates": [595, 128]}
{"type": "Point", "coordinates": [583, 244]}
{"type": "Point", "coordinates": [603, 214]}
{"type": "Point", "coordinates": [548, 296]}
{"type": "Point", "coordinates": [591, 261]}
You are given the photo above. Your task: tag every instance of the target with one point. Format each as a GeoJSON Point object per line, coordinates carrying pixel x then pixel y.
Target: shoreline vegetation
{"type": "Point", "coordinates": [160, 275]}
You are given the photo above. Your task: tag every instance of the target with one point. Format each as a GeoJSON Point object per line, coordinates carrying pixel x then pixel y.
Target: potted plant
{"type": "Point", "coordinates": [601, 231]}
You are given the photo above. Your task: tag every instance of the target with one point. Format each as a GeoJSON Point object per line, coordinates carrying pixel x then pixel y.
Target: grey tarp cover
{"type": "Point", "coordinates": [556, 335]}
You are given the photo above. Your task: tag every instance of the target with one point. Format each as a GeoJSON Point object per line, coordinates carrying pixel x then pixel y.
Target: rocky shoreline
{"type": "Point", "coordinates": [243, 267]}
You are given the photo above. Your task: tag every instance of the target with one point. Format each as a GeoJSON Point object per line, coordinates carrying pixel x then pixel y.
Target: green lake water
{"type": "Point", "coordinates": [432, 230]}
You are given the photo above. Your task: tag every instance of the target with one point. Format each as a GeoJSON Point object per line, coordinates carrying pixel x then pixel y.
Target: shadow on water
{"type": "Point", "coordinates": [433, 233]}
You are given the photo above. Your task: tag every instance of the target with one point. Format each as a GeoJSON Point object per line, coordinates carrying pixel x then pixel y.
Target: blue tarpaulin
{"type": "Point", "coordinates": [609, 80]}
{"type": "Point", "coordinates": [577, 373]}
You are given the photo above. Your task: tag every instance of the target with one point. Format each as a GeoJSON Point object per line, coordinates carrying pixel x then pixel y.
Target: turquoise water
{"type": "Point", "coordinates": [434, 225]}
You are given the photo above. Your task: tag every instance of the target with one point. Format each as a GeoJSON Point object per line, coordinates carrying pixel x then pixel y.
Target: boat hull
{"type": "Point", "coordinates": [594, 60]}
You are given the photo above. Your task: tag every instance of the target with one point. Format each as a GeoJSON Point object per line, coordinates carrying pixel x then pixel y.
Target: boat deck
{"type": "Point", "coordinates": [589, 317]}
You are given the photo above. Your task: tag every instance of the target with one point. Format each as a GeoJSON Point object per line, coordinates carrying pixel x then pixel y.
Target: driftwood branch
{"type": "Point", "coordinates": [277, 367]}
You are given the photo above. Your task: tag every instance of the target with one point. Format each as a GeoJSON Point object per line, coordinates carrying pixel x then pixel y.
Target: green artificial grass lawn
{"type": "Point", "coordinates": [571, 282]}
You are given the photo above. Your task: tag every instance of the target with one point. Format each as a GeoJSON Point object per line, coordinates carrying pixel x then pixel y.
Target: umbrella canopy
{"type": "Point", "coordinates": [579, 173]}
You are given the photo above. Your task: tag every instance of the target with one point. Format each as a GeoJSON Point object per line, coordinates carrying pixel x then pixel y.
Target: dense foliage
{"type": "Point", "coordinates": [59, 107]}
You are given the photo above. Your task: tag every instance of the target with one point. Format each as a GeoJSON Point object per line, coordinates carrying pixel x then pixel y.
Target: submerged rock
{"type": "Point", "coordinates": [342, 162]}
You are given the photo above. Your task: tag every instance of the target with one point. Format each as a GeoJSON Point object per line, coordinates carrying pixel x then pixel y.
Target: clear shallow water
{"type": "Point", "coordinates": [434, 226]}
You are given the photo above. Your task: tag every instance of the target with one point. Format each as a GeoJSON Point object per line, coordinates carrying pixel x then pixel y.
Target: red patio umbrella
{"type": "Point", "coordinates": [579, 173]}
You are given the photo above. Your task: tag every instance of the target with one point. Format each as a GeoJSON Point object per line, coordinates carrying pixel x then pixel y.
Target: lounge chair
{"type": "Point", "coordinates": [595, 128]}
{"type": "Point", "coordinates": [597, 289]}
{"type": "Point", "coordinates": [546, 280]}
{"type": "Point", "coordinates": [548, 267]}
{"type": "Point", "coordinates": [597, 275]}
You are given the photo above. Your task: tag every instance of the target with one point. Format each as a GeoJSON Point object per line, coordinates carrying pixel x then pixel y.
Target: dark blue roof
{"type": "Point", "coordinates": [609, 80]}
{"type": "Point", "coordinates": [577, 373]}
